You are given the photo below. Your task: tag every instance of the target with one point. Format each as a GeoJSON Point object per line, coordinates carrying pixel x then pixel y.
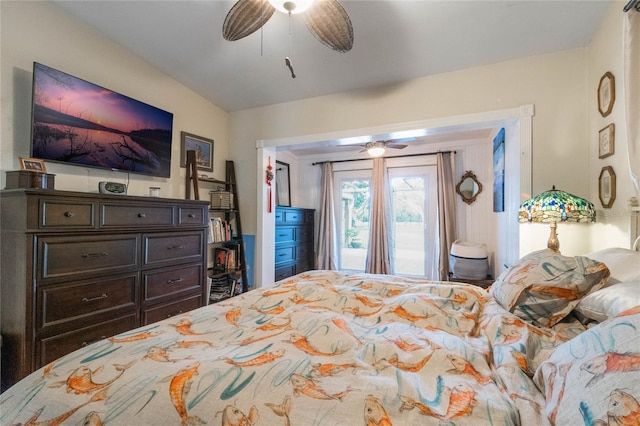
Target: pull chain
{"type": "Point", "coordinates": [287, 60]}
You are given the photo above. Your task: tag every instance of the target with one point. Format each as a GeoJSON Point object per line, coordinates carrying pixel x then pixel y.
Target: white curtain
{"type": "Point", "coordinates": [380, 229]}
{"type": "Point", "coordinates": [327, 249]}
{"type": "Point", "coordinates": [446, 211]}
{"type": "Point", "coordinates": [631, 79]}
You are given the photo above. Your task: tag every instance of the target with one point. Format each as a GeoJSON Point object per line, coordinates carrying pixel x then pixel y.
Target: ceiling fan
{"type": "Point", "coordinates": [377, 148]}
{"type": "Point", "coordinates": [326, 20]}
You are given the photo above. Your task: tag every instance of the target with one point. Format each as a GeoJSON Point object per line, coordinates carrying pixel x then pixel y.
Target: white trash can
{"type": "Point", "coordinates": [469, 260]}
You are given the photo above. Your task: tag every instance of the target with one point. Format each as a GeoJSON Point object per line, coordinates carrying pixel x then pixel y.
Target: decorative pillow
{"type": "Point", "coordinates": [544, 286]}
{"type": "Point", "coordinates": [623, 264]}
{"type": "Point", "coordinates": [610, 301]}
{"type": "Point", "coordinates": [594, 378]}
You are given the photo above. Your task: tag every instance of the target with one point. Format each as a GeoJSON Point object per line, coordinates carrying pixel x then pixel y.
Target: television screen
{"type": "Point", "coordinates": [80, 123]}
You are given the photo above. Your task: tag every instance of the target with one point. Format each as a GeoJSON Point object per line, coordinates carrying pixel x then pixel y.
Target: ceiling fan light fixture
{"type": "Point", "coordinates": [375, 149]}
{"type": "Point", "coordinates": [293, 7]}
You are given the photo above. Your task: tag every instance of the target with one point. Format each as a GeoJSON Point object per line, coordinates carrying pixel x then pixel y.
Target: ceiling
{"type": "Point", "coordinates": [395, 40]}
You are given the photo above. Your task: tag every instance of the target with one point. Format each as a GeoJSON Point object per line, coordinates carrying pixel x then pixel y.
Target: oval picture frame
{"type": "Point", "coordinates": [606, 93]}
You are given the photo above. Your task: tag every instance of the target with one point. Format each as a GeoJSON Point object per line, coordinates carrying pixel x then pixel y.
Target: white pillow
{"type": "Point", "coordinates": [610, 301]}
{"type": "Point", "coordinates": [623, 264]}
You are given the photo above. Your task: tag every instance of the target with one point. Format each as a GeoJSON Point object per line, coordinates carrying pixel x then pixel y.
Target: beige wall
{"type": "Point", "coordinates": [556, 84]}
{"type": "Point", "coordinates": [605, 53]}
{"type": "Point", "coordinates": [561, 86]}
{"type": "Point", "coordinates": [41, 32]}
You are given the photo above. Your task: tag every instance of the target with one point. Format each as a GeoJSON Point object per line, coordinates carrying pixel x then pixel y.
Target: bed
{"type": "Point", "coordinates": [555, 340]}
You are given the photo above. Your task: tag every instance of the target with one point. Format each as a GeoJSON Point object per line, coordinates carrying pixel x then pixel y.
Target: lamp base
{"type": "Point", "coordinates": [553, 243]}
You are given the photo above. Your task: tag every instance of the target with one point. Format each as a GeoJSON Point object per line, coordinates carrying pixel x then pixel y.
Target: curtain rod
{"type": "Point", "coordinates": [393, 156]}
{"type": "Point", "coordinates": [633, 4]}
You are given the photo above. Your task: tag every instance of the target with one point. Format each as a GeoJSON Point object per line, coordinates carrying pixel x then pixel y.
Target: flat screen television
{"type": "Point", "coordinates": [80, 123]}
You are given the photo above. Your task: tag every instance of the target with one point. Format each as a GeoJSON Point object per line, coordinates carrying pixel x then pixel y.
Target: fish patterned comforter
{"type": "Point", "coordinates": [321, 348]}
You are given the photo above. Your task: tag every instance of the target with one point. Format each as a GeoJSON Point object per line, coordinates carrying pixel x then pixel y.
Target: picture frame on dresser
{"type": "Point", "coordinates": [32, 165]}
{"type": "Point", "coordinates": [203, 148]}
{"type": "Point", "coordinates": [606, 141]}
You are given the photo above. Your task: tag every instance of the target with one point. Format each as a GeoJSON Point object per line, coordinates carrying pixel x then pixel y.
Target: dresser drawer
{"type": "Point", "coordinates": [175, 248]}
{"type": "Point", "coordinates": [65, 214]}
{"type": "Point", "coordinates": [284, 254]}
{"type": "Point", "coordinates": [284, 272]}
{"type": "Point", "coordinates": [304, 234]}
{"type": "Point", "coordinates": [52, 348]}
{"type": "Point", "coordinates": [285, 235]}
{"type": "Point", "coordinates": [191, 216]}
{"type": "Point", "coordinates": [72, 256]}
{"type": "Point", "coordinates": [170, 310]}
{"type": "Point", "coordinates": [63, 303]}
{"type": "Point", "coordinates": [135, 216]}
{"type": "Point", "coordinates": [293, 217]}
{"type": "Point", "coordinates": [159, 284]}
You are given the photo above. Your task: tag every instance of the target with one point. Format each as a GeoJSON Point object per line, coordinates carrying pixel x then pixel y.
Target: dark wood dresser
{"type": "Point", "coordinates": [294, 241]}
{"type": "Point", "coordinates": [79, 267]}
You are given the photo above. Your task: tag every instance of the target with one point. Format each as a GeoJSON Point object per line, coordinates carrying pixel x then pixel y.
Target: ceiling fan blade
{"type": "Point", "coordinates": [395, 145]}
{"type": "Point", "coordinates": [328, 22]}
{"type": "Point", "coordinates": [246, 17]}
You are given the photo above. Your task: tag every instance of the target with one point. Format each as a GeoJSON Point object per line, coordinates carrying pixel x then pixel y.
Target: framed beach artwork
{"type": "Point", "coordinates": [203, 148]}
{"type": "Point", "coordinates": [498, 172]}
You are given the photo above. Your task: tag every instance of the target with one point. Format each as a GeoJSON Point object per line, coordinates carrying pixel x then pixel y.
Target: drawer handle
{"type": "Point", "coordinates": [102, 296]}
{"type": "Point", "coordinates": [179, 280]}
{"type": "Point", "coordinates": [282, 254]}
{"type": "Point", "coordinates": [192, 215]}
{"type": "Point", "coordinates": [283, 235]}
{"type": "Point", "coordinates": [142, 215]}
{"type": "Point", "coordinates": [90, 255]}
{"type": "Point", "coordinates": [175, 248]}
{"type": "Point", "coordinates": [93, 341]}
{"type": "Point", "coordinates": [69, 214]}
{"type": "Point", "coordinates": [171, 315]}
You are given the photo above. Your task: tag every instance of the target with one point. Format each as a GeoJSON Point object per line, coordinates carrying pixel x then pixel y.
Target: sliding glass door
{"type": "Point", "coordinates": [414, 219]}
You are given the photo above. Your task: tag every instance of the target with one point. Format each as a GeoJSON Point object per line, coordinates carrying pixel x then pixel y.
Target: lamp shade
{"type": "Point", "coordinates": [557, 206]}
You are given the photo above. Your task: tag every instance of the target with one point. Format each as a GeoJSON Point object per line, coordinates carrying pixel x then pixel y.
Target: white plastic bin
{"type": "Point", "coordinates": [468, 260]}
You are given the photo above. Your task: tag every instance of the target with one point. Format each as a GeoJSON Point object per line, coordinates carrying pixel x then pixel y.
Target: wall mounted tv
{"type": "Point", "coordinates": [79, 123]}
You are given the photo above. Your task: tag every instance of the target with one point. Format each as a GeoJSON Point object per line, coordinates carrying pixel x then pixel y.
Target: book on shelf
{"type": "Point", "coordinates": [219, 230]}
{"type": "Point", "coordinates": [221, 258]}
{"type": "Point", "coordinates": [220, 289]}
{"type": "Point", "coordinates": [234, 246]}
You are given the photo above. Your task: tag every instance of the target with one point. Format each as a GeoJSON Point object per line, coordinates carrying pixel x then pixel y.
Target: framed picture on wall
{"type": "Point", "coordinates": [607, 187]}
{"type": "Point", "coordinates": [203, 148]}
{"type": "Point", "coordinates": [606, 94]}
{"type": "Point", "coordinates": [606, 141]}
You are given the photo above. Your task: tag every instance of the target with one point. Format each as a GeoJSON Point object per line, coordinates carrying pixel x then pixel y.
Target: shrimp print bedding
{"type": "Point", "coordinates": [321, 348]}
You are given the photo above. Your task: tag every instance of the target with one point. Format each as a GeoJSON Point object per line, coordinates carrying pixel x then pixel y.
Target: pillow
{"type": "Point", "coordinates": [608, 302]}
{"type": "Point", "coordinates": [624, 264]}
{"type": "Point", "coordinates": [544, 286]}
{"type": "Point", "coordinates": [594, 378]}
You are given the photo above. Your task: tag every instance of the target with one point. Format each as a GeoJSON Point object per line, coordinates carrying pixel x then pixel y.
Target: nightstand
{"type": "Point", "coordinates": [480, 283]}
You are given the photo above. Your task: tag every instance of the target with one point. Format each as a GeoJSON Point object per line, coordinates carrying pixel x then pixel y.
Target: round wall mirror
{"type": "Point", "coordinates": [469, 187]}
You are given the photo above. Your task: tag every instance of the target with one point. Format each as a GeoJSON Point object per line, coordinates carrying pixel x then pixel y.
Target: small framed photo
{"type": "Point", "coordinates": [203, 148]}
{"type": "Point", "coordinates": [607, 187]}
{"type": "Point", "coordinates": [606, 94]}
{"type": "Point", "coordinates": [32, 165]}
{"type": "Point", "coordinates": [606, 144]}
